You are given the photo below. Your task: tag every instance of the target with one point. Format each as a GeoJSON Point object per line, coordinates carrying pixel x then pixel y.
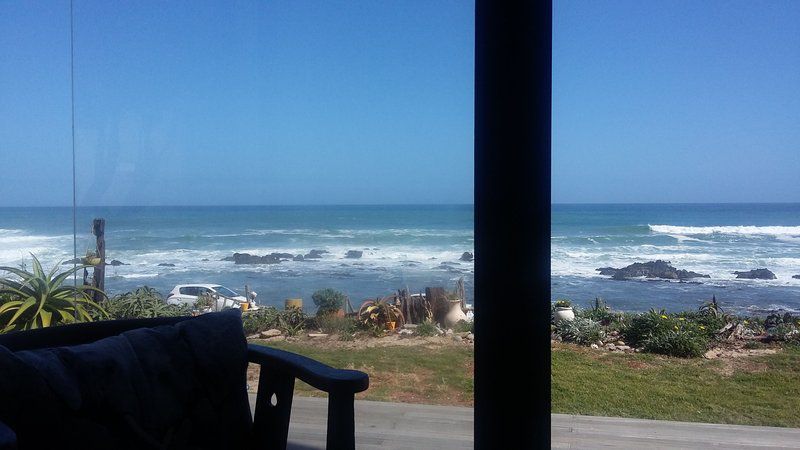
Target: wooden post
{"type": "Point", "coordinates": [98, 280]}
{"type": "Point", "coordinates": [438, 302]}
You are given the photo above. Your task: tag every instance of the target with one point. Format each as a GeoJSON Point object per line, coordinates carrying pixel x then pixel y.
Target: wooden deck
{"type": "Point", "coordinates": [382, 425]}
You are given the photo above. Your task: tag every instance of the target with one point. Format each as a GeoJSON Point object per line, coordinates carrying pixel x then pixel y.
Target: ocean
{"type": "Point", "coordinates": [713, 239]}
{"type": "Point", "coordinates": [418, 246]}
{"type": "Point", "coordinates": [402, 246]}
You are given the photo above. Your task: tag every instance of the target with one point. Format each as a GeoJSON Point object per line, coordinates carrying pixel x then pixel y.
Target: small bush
{"type": "Point", "coordinates": [463, 327]}
{"type": "Point", "coordinates": [674, 335]}
{"type": "Point", "coordinates": [426, 328]}
{"type": "Point", "coordinates": [142, 303]}
{"type": "Point", "coordinates": [580, 331]}
{"type": "Point", "coordinates": [331, 324]}
{"type": "Point", "coordinates": [563, 303]}
{"type": "Point", "coordinates": [260, 320]}
{"type": "Point", "coordinates": [328, 301]}
{"type": "Point", "coordinates": [681, 343]}
{"type": "Point", "coordinates": [291, 321]}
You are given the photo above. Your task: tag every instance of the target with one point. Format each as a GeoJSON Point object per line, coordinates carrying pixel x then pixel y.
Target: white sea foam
{"type": "Point", "coordinates": [745, 230]}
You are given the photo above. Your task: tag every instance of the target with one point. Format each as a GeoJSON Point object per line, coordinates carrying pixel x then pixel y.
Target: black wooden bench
{"type": "Point", "coordinates": [168, 352]}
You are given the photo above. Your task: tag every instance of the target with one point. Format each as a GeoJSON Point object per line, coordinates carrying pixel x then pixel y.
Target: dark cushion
{"type": "Point", "coordinates": [170, 387]}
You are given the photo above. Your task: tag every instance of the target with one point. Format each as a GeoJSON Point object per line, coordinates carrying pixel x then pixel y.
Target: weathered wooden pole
{"type": "Point", "coordinates": [98, 280]}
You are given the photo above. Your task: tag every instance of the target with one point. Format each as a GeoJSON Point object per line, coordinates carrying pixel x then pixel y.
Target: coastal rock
{"type": "Point", "coordinates": [116, 262]}
{"type": "Point", "coordinates": [282, 255]}
{"type": "Point", "coordinates": [315, 254]}
{"type": "Point", "coordinates": [796, 277]}
{"type": "Point", "coordinates": [607, 271]}
{"type": "Point", "coordinates": [298, 258]}
{"type": "Point", "coordinates": [166, 265]}
{"type": "Point", "coordinates": [354, 254]}
{"type": "Point", "coordinates": [594, 346]}
{"type": "Point", "coordinates": [652, 269]}
{"type": "Point", "coordinates": [756, 274]}
{"type": "Point", "coordinates": [246, 258]}
{"type": "Point", "coordinates": [72, 261]}
{"type": "Point", "coordinates": [610, 347]}
{"type": "Point", "coordinates": [467, 256]}
{"type": "Point", "coordinates": [623, 347]}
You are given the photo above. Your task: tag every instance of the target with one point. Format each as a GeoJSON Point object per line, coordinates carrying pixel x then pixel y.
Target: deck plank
{"type": "Point", "coordinates": [383, 425]}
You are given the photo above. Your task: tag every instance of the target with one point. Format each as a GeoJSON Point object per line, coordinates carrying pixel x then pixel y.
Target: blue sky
{"type": "Point", "coordinates": [372, 102]}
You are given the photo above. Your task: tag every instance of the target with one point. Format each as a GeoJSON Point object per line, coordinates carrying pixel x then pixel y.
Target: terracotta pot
{"type": "Point", "coordinates": [244, 306]}
{"type": "Point", "coordinates": [390, 325]}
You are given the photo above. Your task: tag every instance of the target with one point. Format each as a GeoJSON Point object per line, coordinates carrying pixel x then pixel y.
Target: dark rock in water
{"type": "Point", "coordinates": [354, 254]}
{"type": "Point", "coordinates": [466, 256]}
{"type": "Point", "coordinates": [607, 271]}
{"type": "Point", "coordinates": [315, 254]}
{"type": "Point", "coordinates": [282, 255]}
{"type": "Point", "coordinates": [73, 261]}
{"type": "Point", "coordinates": [204, 259]}
{"type": "Point", "coordinates": [756, 274]}
{"type": "Point", "coordinates": [166, 265]}
{"type": "Point", "coordinates": [796, 277]}
{"type": "Point", "coordinates": [270, 259]}
{"type": "Point", "coordinates": [228, 258]}
{"type": "Point", "coordinates": [116, 262]}
{"type": "Point", "coordinates": [246, 258]}
{"type": "Point", "coordinates": [298, 258]}
{"type": "Point", "coordinates": [652, 269]}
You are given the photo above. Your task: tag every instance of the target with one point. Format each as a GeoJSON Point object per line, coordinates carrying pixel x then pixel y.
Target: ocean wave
{"type": "Point", "coordinates": [741, 230]}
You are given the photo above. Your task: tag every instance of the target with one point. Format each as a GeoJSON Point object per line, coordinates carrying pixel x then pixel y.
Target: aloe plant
{"type": "Point", "coordinates": [40, 299]}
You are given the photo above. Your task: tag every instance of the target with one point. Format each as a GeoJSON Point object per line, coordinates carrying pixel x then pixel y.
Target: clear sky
{"type": "Point", "coordinates": [676, 101]}
{"type": "Point", "coordinates": [323, 102]}
{"type": "Point", "coordinates": [250, 102]}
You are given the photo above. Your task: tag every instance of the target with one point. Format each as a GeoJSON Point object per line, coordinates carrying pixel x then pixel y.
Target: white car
{"type": "Point", "coordinates": [186, 294]}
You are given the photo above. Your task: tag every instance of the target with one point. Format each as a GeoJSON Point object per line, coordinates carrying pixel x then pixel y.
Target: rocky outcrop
{"type": "Point", "coordinates": [116, 262]}
{"type": "Point", "coordinates": [272, 258]}
{"type": "Point", "coordinates": [653, 269]}
{"type": "Point", "coordinates": [796, 277]}
{"type": "Point", "coordinates": [756, 274]}
{"type": "Point", "coordinates": [354, 254]}
{"type": "Point", "coordinates": [166, 265]}
{"type": "Point", "coordinates": [298, 258]}
{"type": "Point", "coordinates": [315, 254]}
{"type": "Point", "coordinates": [282, 255]}
{"type": "Point", "coordinates": [466, 256]}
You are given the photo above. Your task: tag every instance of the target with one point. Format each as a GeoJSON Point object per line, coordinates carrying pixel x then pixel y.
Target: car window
{"type": "Point", "coordinates": [188, 291]}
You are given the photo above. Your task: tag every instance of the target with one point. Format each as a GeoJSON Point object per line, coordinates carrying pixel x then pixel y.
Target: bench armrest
{"type": "Point", "coordinates": [321, 376]}
{"type": "Point", "coordinates": [276, 388]}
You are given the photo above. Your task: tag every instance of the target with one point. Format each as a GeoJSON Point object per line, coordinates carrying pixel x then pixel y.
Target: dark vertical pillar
{"type": "Point", "coordinates": [512, 223]}
{"type": "Point", "coordinates": [99, 231]}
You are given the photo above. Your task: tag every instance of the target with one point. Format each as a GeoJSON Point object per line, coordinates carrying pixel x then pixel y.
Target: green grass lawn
{"type": "Point", "coordinates": [754, 390]}
{"type": "Point", "coordinates": [436, 376]}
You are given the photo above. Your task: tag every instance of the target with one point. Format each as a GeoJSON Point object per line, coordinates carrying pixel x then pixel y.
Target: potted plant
{"type": "Point", "coordinates": [329, 302]}
{"type": "Point", "coordinates": [563, 310]}
{"type": "Point", "coordinates": [380, 313]}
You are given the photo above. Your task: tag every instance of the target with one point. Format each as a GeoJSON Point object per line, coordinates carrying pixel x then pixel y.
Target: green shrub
{"type": "Point", "coordinates": [328, 301]}
{"type": "Point", "coordinates": [463, 327]}
{"type": "Point", "coordinates": [579, 330]}
{"type": "Point", "coordinates": [291, 321]}
{"type": "Point", "coordinates": [674, 335]}
{"type": "Point", "coordinates": [563, 303]}
{"type": "Point", "coordinates": [331, 324]}
{"type": "Point", "coordinates": [599, 312]}
{"type": "Point", "coordinates": [682, 343]}
{"type": "Point", "coordinates": [426, 328]}
{"type": "Point", "coordinates": [144, 302]}
{"type": "Point", "coordinates": [260, 320]}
